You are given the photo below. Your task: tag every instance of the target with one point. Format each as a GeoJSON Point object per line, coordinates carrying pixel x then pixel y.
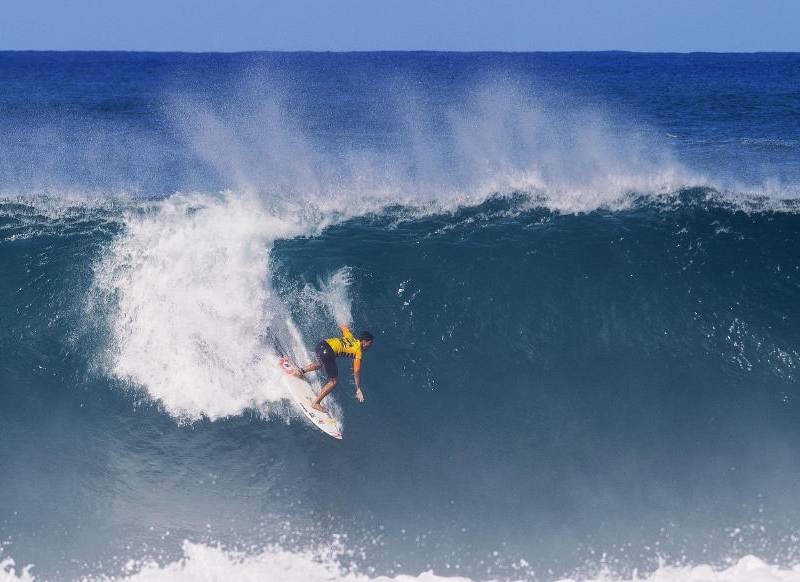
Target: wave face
{"type": "Point", "coordinates": [581, 270]}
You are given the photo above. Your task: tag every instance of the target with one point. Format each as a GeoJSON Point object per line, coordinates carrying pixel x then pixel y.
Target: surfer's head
{"type": "Point", "coordinates": [366, 339]}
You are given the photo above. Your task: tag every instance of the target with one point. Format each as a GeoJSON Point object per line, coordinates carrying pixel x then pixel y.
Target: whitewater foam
{"type": "Point", "coordinates": [185, 288]}
{"type": "Point", "coordinates": [202, 563]}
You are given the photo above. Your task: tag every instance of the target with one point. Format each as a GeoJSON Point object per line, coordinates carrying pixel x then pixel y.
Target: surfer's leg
{"type": "Point", "coordinates": [323, 393]}
{"type": "Point", "coordinates": [327, 359]}
{"type": "Point", "coordinates": [305, 369]}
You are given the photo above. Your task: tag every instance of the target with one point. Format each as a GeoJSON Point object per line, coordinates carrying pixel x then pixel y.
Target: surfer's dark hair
{"type": "Point", "coordinates": [365, 336]}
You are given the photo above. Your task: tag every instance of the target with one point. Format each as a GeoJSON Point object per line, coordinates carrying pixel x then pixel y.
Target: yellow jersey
{"type": "Point", "coordinates": [347, 346]}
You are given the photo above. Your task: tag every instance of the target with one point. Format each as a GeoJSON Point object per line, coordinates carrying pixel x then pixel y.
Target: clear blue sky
{"type": "Point", "coordinates": [342, 25]}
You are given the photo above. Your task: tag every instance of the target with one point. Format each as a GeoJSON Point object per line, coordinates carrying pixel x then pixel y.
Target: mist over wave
{"type": "Point", "coordinates": [399, 139]}
{"type": "Point", "coordinates": [497, 138]}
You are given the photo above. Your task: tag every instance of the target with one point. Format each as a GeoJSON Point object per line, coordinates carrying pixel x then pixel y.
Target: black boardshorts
{"type": "Point", "coordinates": [327, 357]}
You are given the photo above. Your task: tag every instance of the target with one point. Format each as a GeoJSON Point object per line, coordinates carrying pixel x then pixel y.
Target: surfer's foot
{"type": "Point", "coordinates": [297, 374]}
{"type": "Point", "coordinates": [318, 406]}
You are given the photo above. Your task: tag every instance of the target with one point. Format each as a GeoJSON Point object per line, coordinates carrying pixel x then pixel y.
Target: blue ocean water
{"type": "Point", "coordinates": [582, 271]}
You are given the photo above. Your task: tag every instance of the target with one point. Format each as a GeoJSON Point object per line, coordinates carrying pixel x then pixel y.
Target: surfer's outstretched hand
{"type": "Point", "coordinates": [360, 395]}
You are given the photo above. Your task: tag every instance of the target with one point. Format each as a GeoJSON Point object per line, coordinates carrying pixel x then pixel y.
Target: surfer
{"type": "Point", "coordinates": [328, 350]}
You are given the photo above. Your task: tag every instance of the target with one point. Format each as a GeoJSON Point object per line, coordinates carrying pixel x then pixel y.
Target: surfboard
{"type": "Point", "coordinates": [304, 395]}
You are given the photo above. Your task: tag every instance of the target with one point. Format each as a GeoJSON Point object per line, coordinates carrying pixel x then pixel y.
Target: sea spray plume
{"type": "Point", "coordinates": [528, 138]}
{"type": "Point", "coordinates": [505, 136]}
{"type": "Point", "coordinates": [335, 295]}
{"type": "Point", "coordinates": [252, 144]}
{"type": "Point", "coordinates": [322, 307]}
{"type": "Point", "coordinates": [502, 137]}
{"type": "Point", "coordinates": [258, 142]}
{"type": "Point", "coordinates": [499, 135]}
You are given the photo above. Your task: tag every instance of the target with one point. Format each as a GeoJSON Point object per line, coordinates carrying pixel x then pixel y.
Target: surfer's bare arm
{"type": "Point", "coordinates": [357, 378]}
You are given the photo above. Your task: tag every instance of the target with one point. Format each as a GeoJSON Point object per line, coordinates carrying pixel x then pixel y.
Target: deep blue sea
{"type": "Point", "coordinates": [582, 271]}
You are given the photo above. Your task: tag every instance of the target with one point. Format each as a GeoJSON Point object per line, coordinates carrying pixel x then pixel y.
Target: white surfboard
{"type": "Point", "coordinates": [304, 395]}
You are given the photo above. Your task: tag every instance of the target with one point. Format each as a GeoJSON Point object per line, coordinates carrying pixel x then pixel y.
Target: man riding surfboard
{"type": "Point", "coordinates": [328, 350]}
